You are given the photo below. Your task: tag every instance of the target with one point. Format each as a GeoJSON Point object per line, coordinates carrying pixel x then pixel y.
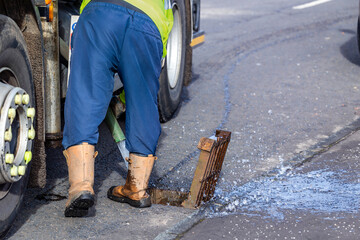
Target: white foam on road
{"type": "Point", "coordinates": [311, 4]}
{"type": "Point", "coordinates": [318, 191]}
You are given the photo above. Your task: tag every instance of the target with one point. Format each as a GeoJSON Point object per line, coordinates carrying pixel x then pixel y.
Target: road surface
{"type": "Point", "coordinates": [282, 76]}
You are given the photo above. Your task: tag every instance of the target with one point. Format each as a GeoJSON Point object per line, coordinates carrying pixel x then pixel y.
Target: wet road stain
{"type": "Point", "coordinates": [318, 191]}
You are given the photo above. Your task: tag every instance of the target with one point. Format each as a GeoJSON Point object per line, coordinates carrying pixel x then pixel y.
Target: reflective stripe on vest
{"type": "Point", "coordinates": [159, 11]}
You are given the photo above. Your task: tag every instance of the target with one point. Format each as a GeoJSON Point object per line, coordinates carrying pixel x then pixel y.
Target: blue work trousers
{"type": "Point", "coordinates": [109, 38]}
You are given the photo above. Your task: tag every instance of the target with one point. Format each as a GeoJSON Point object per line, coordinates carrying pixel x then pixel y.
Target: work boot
{"type": "Point", "coordinates": [137, 180]}
{"type": "Point", "coordinates": [80, 160]}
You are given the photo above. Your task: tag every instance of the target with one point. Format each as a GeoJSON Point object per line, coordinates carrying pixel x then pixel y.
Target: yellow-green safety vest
{"type": "Point", "coordinates": [158, 10]}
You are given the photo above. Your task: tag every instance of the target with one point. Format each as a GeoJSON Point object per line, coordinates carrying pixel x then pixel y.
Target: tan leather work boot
{"type": "Point", "coordinates": [80, 160]}
{"type": "Point", "coordinates": [137, 180]}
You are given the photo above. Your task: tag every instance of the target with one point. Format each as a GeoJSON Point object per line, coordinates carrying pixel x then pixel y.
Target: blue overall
{"type": "Point", "coordinates": [109, 38]}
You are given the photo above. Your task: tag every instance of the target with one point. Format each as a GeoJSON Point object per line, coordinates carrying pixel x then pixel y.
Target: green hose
{"type": "Point", "coordinates": [114, 126]}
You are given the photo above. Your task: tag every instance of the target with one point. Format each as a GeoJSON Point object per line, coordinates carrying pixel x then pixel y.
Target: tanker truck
{"type": "Point", "coordinates": [34, 54]}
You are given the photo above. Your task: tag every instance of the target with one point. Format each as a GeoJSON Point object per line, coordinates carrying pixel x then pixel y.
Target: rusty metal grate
{"type": "Point", "coordinates": [205, 177]}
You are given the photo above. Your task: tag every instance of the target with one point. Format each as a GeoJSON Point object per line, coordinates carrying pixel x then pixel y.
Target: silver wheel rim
{"type": "Point", "coordinates": [14, 149]}
{"type": "Point", "coordinates": [174, 49]}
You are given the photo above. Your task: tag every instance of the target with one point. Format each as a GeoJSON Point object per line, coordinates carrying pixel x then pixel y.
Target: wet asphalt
{"type": "Point", "coordinates": [317, 200]}
{"type": "Point", "coordinates": [285, 82]}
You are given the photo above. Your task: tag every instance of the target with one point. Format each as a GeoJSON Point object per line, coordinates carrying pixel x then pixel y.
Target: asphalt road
{"type": "Point", "coordinates": [318, 201]}
{"type": "Point", "coordinates": [283, 80]}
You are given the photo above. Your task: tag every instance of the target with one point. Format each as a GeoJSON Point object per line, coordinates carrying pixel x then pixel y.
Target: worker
{"type": "Point", "coordinates": [128, 37]}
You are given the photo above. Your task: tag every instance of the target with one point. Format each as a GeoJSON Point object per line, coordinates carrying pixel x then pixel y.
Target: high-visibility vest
{"type": "Point", "coordinates": [158, 10]}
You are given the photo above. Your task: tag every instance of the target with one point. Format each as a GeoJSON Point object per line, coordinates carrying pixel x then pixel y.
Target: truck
{"type": "Point", "coordinates": [34, 55]}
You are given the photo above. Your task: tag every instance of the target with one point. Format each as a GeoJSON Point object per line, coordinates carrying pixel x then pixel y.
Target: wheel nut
{"type": "Point", "coordinates": [9, 158]}
{"type": "Point", "coordinates": [8, 135]}
{"type": "Point", "coordinates": [30, 112]}
{"type": "Point", "coordinates": [12, 113]}
{"type": "Point", "coordinates": [25, 99]}
{"type": "Point", "coordinates": [18, 99]}
{"type": "Point", "coordinates": [27, 157]}
{"type": "Point", "coordinates": [22, 170]}
{"type": "Point", "coordinates": [14, 171]}
{"type": "Point", "coordinates": [31, 134]}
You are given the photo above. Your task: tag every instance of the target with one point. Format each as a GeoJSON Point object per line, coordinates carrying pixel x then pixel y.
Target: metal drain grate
{"type": "Point", "coordinates": [205, 177]}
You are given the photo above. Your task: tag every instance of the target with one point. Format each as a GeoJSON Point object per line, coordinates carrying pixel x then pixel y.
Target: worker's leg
{"type": "Point", "coordinates": [80, 160]}
{"type": "Point", "coordinates": [140, 67]}
{"type": "Point", "coordinates": [93, 63]}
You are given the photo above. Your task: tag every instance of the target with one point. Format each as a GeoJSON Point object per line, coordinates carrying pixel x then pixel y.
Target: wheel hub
{"type": "Point", "coordinates": [16, 133]}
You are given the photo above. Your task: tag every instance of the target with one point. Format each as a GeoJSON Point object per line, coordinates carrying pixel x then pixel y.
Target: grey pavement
{"type": "Point", "coordinates": [286, 83]}
{"type": "Point", "coordinates": [318, 200]}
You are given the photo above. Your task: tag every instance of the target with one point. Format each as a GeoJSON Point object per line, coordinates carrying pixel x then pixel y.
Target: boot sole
{"type": "Point", "coordinates": [143, 203]}
{"type": "Point", "coordinates": [79, 207]}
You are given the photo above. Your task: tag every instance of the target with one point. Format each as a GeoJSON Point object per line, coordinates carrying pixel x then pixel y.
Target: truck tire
{"type": "Point", "coordinates": [177, 67]}
{"type": "Point", "coordinates": [358, 34]}
{"type": "Point", "coordinates": [15, 60]}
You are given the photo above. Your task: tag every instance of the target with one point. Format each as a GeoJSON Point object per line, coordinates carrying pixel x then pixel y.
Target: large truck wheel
{"type": "Point", "coordinates": [16, 121]}
{"type": "Point", "coordinates": [358, 34]}
{"type": "Point", "coordinates": [177, 66]}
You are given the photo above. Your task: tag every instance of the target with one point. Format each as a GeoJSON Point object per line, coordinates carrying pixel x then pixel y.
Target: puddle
{"type": "Point", "coordinates": [321, 191]}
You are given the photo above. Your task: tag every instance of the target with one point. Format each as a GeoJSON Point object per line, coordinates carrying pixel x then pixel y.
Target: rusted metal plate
{"type": "Point", "coordinates": [206, 144]}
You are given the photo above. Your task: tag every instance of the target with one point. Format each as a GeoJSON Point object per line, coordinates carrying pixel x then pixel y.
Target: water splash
{"type": "Point", "coordinates": [316, 191]}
